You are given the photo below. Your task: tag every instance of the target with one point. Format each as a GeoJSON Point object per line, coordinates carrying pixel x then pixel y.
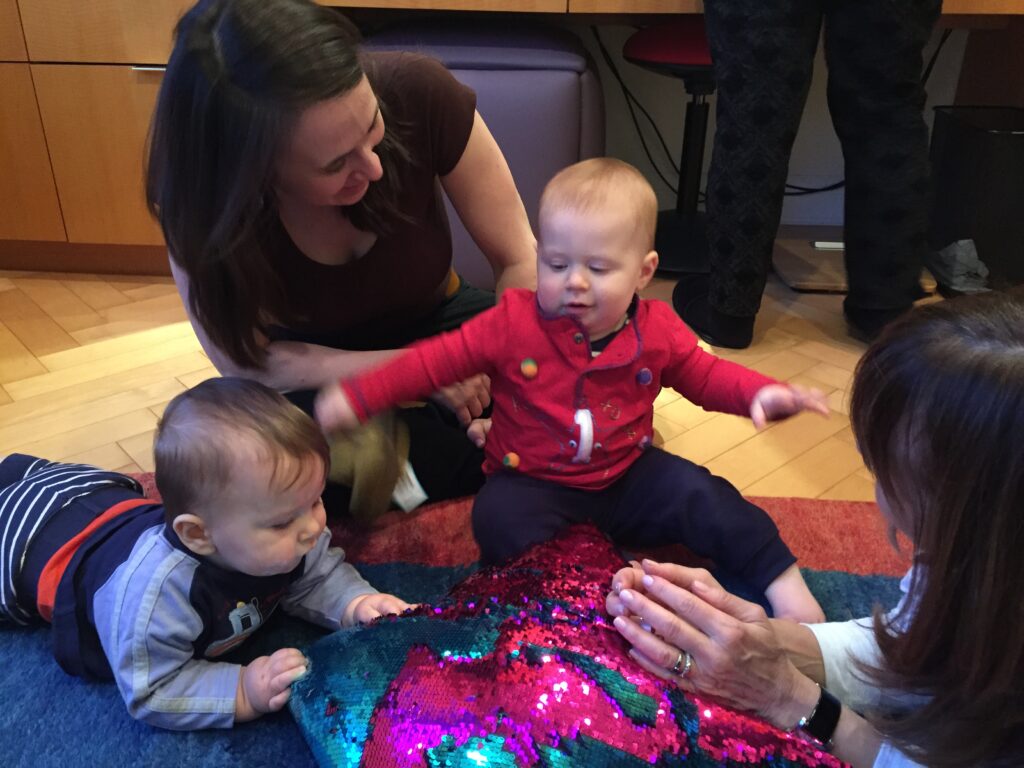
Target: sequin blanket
{"type": "Point", "coordinates": [49, 718]}
{"type": "Point", "coordinates": [519, 666]}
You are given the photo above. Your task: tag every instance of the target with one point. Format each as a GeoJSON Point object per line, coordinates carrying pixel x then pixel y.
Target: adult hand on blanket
{"type": "Point", "coordinates": [736, 655]}
{"type": "Point", "coordinates": [264, 685]}
{"type": "Point", "coordinates": [332, 409]}
{"type": "Point", "coordinates": [366, 608]}
{"type": "Point", "coordinates": [779, 401]}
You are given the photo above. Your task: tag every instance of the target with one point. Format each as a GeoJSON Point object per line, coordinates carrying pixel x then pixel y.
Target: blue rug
{"type": "Point", "coordinates": [51, 719]}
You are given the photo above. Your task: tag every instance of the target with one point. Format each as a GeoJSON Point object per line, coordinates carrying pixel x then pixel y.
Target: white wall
{"type": "Point", "coordinates": [816, 161]}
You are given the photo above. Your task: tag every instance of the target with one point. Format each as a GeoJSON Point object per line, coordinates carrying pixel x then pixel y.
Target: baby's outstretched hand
{"type": "Point", "coordinates": [333, 410]}
{"type": "Point", "coordinates": [366, 608]}
{"type": "Point", "coordinates": [264, 685]}
{"type": "Point", "coordinates": [779, 401]}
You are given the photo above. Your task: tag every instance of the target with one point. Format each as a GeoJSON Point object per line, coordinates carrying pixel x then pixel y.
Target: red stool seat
{"type": "Point", "coordinates": [678, 44]}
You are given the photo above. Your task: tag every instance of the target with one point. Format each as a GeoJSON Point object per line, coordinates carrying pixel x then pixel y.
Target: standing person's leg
{"type": "Point", "coordinates": [876, 97]}
{"type": "Point", "coordinates": [763, 54]}
{"type": "Point", "coordinates": [513, 512]}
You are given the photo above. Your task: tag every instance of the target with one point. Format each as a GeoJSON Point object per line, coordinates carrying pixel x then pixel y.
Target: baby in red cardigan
{"type": "Point", "coordinates": [574, 369]}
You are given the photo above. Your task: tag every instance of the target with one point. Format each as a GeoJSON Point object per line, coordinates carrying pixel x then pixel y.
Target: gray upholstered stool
{"type": "Point", "coordinates": [535, 89]}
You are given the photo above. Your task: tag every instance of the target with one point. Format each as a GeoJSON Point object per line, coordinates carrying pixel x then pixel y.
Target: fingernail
{"type": "Point", "coordinates": [646, 627]}
{"type": "Point", "coordinates": [626, 595]}
{"type": "Point", "coordinates": [616, 587]}
{"type": "Point", "coordinates": [619, 622]}
{"type": "Point", "coordinates": [699, 586]}
{"type": "Point", "coordinates": [647, 580]}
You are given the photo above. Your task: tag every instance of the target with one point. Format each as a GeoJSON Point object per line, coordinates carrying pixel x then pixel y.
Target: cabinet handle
{"type": "Point", "coordinates": [136, 68]}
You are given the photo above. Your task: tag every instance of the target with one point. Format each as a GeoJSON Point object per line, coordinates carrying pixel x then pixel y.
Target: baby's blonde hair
{"type": "Point", "coordinates": [597, 183]}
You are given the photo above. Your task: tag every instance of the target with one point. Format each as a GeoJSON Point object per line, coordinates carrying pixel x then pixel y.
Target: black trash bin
{"type": "Point", "coordinates": [977, 156]}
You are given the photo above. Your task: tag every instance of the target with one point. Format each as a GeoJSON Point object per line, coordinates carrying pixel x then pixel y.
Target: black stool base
{"type": "Point", "coordinates": [682, 243]}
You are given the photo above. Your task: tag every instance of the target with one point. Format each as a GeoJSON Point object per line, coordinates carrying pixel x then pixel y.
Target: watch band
{"type": "Point", "coordinates": [820, 724]}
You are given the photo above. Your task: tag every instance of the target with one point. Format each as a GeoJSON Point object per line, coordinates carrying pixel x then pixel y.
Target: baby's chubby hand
{"type": "Point", "coordinates": [366, 608]}
{"type": "Point", "coordinates": [779, 401]}
{"type": "Point", "coordinates": [264, 684]}
{"type": "Point", "coordinates": [333, 410]}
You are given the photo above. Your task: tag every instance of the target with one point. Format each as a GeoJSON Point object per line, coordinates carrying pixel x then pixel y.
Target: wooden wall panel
{"type": "Point", "coordinates": [12, 43]}
{"type": "Point", "coordinates": [28, 200]}
{"type": "Point", "coordinates": [96, 119]}
{"type": "Point", "coordinates": [102, 31]}
{"type": "Point", "coordinates": [521, 6]}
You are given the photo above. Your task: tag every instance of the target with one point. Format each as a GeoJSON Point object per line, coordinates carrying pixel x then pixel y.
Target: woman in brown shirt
{"type": "Point", "coordinates": [298, 183]}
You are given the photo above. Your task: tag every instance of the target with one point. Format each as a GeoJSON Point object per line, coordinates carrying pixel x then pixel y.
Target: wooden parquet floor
{"type": "Point", "coordinates": [88, 362]}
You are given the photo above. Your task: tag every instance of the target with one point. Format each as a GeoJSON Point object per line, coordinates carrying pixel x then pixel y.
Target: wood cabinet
{"type": "Point", "coordinates": [12, 43]}
{"type": "Point", "coordinates": [112, 31]}
{"type": "Point", "coordinates": [28, 200]}
{"type": "Point", "coordinates": [517, 6]}
{"type": "Point", "coordinates": [74, 114]}
{"type": "Point", "coordinates": [96, 120]}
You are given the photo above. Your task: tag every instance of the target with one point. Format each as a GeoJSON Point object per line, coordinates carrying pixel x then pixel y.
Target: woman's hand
{"type": "Point", "coordinates": [467, 399]}
{"type": "Point", "coordinates": [735, 655]}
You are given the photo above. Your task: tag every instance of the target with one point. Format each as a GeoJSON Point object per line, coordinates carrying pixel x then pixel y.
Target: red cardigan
{"type": "Point", "coordinates": [560, 414]}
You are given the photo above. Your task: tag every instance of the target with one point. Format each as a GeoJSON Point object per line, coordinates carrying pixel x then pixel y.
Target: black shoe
{"type": "Point", "coordinates": [865, 324]}
{"type": "Point", "coordinates": [690, 299]}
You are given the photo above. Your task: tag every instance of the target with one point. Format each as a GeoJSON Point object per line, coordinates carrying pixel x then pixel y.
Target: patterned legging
{"type": "Point", "coordinates": [763, 52]}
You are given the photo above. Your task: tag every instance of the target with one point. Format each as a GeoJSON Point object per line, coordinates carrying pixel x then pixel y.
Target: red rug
{"type": "Point", "coordinates": [825, 535]}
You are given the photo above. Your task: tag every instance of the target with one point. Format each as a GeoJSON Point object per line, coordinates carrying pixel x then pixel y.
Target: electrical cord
{"type": "Point", "coordinates": [631, 99]}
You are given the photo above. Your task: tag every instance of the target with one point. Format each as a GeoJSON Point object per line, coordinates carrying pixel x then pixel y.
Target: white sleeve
{"type": "Point", "coordinates": [327, 585]}
{"type": "Point", "coordinates": [890, 757]}
{"type": "Point", "coordinates": [845, 645]}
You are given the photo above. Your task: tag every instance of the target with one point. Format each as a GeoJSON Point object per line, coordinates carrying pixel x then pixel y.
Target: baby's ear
{"type": "Point", "coordinates": [647, 269]}
{"type": "Point", "coordinates": [193, 534]}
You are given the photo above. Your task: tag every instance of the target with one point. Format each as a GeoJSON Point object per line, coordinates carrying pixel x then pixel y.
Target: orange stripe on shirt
{"type": "Point", "coordinates": [53, 571]}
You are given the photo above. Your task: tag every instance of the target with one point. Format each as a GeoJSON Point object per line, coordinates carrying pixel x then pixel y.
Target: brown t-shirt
{"type": "Point", "coordinates": [403, 276]}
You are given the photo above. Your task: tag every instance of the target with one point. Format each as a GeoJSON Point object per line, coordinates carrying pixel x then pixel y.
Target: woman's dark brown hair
{"type": "Point", "coordinates": [938, 411]}
{"type": "Point", "coordinates": [240, 74]}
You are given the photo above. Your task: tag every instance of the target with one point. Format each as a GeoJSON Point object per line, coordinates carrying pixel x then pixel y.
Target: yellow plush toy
{"type": "Point", "coordinates": [369, 460]}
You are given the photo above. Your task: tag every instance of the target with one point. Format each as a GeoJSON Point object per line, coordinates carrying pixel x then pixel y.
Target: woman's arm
{"type": "Point", "coordinates": [290, 365]}
{"type": "Point", "coordinates": [484, 194]}
{"type": "Point", "coordinates": [739, 655]}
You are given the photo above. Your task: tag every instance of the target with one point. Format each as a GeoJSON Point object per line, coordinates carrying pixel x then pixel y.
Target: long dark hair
{"type": "Point", "coordinates": [240, 74]}
{"type": "Point", "coordinates": [938, 411]}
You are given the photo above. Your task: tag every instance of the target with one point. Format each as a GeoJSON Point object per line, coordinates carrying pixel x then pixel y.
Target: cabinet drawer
{"type": "Point", "coordinates": [103, 31]}
{"type": "Point", "coordinates": [96, 120]}
{"type": "Point", "coordinates": [28, 199]}
{"type": "Point", "coordinates": [12, 46]}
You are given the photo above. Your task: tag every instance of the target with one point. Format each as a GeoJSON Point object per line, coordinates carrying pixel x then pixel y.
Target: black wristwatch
{"type": "Point", "coordinates": [820, 725]}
